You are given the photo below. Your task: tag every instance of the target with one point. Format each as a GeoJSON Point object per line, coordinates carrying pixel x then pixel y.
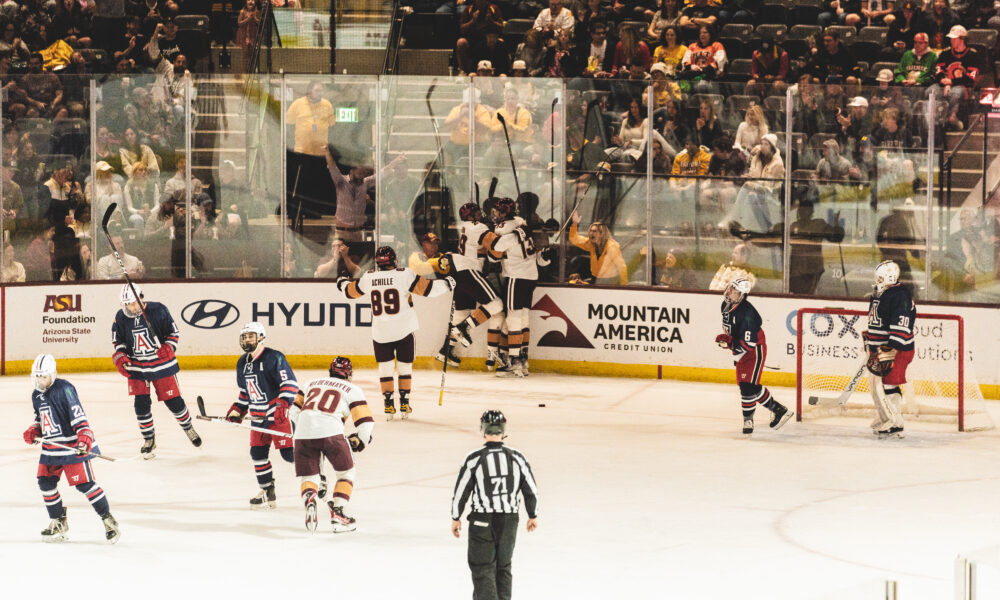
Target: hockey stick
{"type": "Point", "coordinates": [510, 153]}
{"type": "Point", "coordinates": [552, 159]}
{"type": "Point", "coordinates": [447, 349]}
{"type": "Point", "coordinates": [128, 280]}
{"type": "Point", "coordinates": [101, 456]}
{"type": "Point", "coordinates": [842, 399]}
{"type": "Point", "coordinates": [225, 421]}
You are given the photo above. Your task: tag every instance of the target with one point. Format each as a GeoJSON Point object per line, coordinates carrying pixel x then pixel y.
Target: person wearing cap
{"type": "Point", "coordinates": [957, 74]}
{"type": "Point", "coordinates": [907, 21]}
{"type": "Point", "coordinates": [429, 262]}
{"type": "Point", "coordinates": [768, 70]}
{"type": "Point", "coordinates": [854, 124]}
{"type": "Point", "coordinates": [100, 191]}
{"type": "Point", "coordinates": [472, 24]}
{"type": "Point", "coordinates": [917, 66]}
{"type": "Point", "coordinates": [886, 95]}
{"type": "Point", "coordinates": [757, 206]}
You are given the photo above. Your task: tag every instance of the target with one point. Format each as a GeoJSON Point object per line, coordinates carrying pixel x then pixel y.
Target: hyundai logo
{"type": "Point", "coordinates": [210, 314]}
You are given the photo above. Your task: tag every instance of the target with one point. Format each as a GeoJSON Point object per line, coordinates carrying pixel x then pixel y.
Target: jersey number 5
{"type": "Point", "coordinates": [387, 302]}
{"type": "Point", "coordinates": [327, 402]}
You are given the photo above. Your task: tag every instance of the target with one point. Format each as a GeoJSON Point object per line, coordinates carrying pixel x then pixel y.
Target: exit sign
{"type": "Point", "coordinates": [347, 115]}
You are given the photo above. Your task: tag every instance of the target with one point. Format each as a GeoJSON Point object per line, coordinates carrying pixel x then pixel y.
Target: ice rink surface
{"type": "Point", "coordinates": [647, 490]}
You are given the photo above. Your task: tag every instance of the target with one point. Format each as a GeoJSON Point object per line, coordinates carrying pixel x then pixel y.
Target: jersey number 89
{"type": "Point", "coordinates": [387, 302]}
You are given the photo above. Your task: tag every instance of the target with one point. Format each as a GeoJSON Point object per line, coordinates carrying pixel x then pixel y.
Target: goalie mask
{"type": "Point", "coordinates": [130, 304]}
{"type": "Point", "coordinates": [43, 372]}
{"type": "Point", "coordinates": [385, 258]}
{"type": "Point", "coordinates": [342, 368]}
{"type": "Point", "coordinates": [886, 274]}
{"type": "Point", "coordinates": [735, 292]}
{"type": "Point", "coordinates": [252, 336]}
{"type": "Point", "coordinates": [493, 423]}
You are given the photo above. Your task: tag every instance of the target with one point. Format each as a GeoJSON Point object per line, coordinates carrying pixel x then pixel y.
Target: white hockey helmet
{"type": "Point", "coordinates": [735, 292]}
{"type": "Point", "coordinates": [43, 372]}
{"type": "Point", "coordinates": [128, 296]}
{"type": "Point", "coordinates": [255, 328]}
{"type": "Point", "coordinates": [886, 274]}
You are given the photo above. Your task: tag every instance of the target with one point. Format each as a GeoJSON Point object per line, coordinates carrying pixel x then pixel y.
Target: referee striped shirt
{"type": "Point", "coordinates": [492, 477]}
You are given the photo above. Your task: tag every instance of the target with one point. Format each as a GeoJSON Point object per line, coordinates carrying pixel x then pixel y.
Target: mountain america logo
{"type": "Point", "coordinates": [561, 332]}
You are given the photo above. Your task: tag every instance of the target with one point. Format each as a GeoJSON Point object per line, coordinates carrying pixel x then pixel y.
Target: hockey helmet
{"type": "Point", "coordinates": [385, 258]}
{"type": "Point", "coordinates": [43, 372]}
{"type": "Point", "coordinates": [886, 274]}
{"type": "Point", "coordinates": [259, 334]}
{"type": "Point", "coordinates": [493, 423]}
{"type": "Point", "coordinates": [128, 297]}
{"type": "Point", "coordinates": [505, 208]}
{"type": "Point", "coordinates": [735, 292]}
{"type": "Point", "coordinates": [341, 368]}
{"type": "Point", "coordinates": [470, 211]}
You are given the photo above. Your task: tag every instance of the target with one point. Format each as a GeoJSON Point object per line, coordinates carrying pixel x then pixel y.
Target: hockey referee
{"type": "Point", "coordinates": [493, 476]}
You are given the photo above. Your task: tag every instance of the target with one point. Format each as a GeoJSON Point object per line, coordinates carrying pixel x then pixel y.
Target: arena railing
{"type": "Point", "coordinates": [263, 202]}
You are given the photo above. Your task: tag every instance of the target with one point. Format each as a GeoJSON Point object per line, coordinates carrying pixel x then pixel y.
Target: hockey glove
{"type": "Point", "coordinates": [342, 284]}
{"type": "Point", "coordinates": [236, 413]}
{"type": "Point", "coordinates": [873, 364]}
{"type": "Point", "coordinates": [31, 433]}
{"type": "Point", "coordinates": [121, 362]}
{"type": "Point", "coordinates": [886, 358]}
{"type": "Point", "coordinates": [356, 444]}
{"type": "Point", "coordinates": [548, 253]}
{"type": "Point", "coordinates": [280, 412]}
{"type": "Point", "coordinates": [724, 340]}
{"type": "Point", "coordinates": [165, 351]}
{"type": "Point", "coordinates": [83, 443]}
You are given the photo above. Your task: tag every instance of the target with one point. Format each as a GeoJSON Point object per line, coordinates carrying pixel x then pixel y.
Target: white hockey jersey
{"type": "Point", "coordinates": [393, 316]}
{"type": "Point", "coordinates": [515, 249]}
{"type": "Point", "coordinates": [325, 405]}
{"type": "Point", "coordinates": [469, 243]}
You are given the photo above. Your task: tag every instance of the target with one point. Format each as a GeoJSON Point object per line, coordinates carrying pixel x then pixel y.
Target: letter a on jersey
{"type": "Point", "coordinates": [143, 345]}
{"type": "Point", "coordinates": [49, 427]}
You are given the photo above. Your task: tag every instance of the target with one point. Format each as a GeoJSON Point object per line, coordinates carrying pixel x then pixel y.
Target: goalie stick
{"type": "Point", "coordinates": [128, 280]}
{"type": "Point", "coordinates": [101, 456]}
{"type": "Point", "coordinates": [225, 421]}
{"type": "Point", "coordinates": [842, 399]}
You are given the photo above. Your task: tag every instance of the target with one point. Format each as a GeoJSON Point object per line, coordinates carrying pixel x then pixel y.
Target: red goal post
{"type": "Point", "coordinates": [941, 388]}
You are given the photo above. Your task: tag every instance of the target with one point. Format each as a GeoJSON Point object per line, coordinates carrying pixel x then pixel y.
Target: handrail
{"type": "Point", "coordinates": [391, 60]}
{"type": "Point", "coordinates": [950, 154]}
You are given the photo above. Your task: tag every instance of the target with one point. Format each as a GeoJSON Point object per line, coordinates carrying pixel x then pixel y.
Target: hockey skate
{"type": "Point", "coordinates": [341, 522]}
{"type": "Point", "coordinates": [781, 416]}
{"type": "Point", "coordinates": [517, 368]}
{"type": "Point", "coordinates": [323, 486]}
{"type": "Point", "coordinates": [312, 520]}
{"type": "Point", "coordinates": [390, 406]}
{"type": "Point", "coordinates": [461, 334]}
{"type": "Point", "coordinates": [748, 427]}
{"type": "Point", "coordinates": [524, 362]}
{"type": "Point", "coordinates": [194, 437]}
{"type": "Point", "coordinates": [453, 361]}
{"type": "Point", "coordinates": [492, 358]}
{"type": "Point", "coordinates": [404, 405]}
{"type": "Point", "coordinates": [891, 433]}
{"type": "Point", "coordinates": [57, 529]}
{"type": "Point", "coordinates": [265, 499]}
{"type": "Point", "coordinates": [111, 531]}
{"type": "Point", "coordinates": [148, 448]}
{"type": "Point", "coordinates": [504, 366]}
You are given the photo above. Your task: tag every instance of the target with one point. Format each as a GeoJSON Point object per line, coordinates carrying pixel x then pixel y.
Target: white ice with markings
{"type": "Point", "coordinates": [647, 490]}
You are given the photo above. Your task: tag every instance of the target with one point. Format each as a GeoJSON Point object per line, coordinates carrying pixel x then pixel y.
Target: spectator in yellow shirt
{"type": "Point", "coordinates": [311, 115]}
{"type": "Point", "coordinates": [606, 263]}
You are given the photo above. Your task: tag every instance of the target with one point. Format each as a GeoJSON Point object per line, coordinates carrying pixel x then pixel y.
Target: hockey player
{"type": "Point", "coordinates": [267, 389]}
{"type": "Point", "coordinates": [393, 319]}
{"type": "Point", "coordinates": [745, 338]}
{"type": "Point", "coordinates": [59, 419]}
{"type": "Point", "coordinates": [512, 245]}
{"type": "Point", "coordinates": [889, 340]}
{"type": "Point", "coordinates": [145, 338]}
{"type": "Point", "coordinates": [475, 300]}
{"type": "Point", "coordinates": [320, 412]}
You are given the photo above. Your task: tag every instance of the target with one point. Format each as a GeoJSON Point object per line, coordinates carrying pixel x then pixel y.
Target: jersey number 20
{"type": "Point", "coordinates": [327, 402]}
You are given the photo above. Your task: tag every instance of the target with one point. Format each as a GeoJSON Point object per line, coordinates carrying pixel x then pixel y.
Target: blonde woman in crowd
{"type": "Point", "coordinates": [752, 130]}
{"type": "Point", "coordinates": [606, 263]}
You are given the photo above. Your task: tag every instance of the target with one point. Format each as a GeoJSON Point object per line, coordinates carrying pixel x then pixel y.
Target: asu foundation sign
{"type": "Point", "coordinates": [633, 327]}
{"type": "Point", "coordinates": [64, 320]}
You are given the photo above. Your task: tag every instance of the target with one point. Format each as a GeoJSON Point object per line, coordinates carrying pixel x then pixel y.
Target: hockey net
{"type": "Point", "coordinates": [940, 389]}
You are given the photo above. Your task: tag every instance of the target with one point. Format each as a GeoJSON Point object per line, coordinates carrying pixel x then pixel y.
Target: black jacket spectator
{"type": "Point", "coordinates": [834, 62]}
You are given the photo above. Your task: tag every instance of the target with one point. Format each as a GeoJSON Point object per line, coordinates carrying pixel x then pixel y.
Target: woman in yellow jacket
{"type": "Point", "coordinates": [606, 262]}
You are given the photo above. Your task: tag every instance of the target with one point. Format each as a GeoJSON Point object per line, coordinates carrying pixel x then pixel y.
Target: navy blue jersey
{"type": "Point", "coordinates": [743, 323]}
{"type": "Point", "coordinates": [132, 336]}
{"type": "Point", "coordinates": [263, 379]}
{"type": "Point", "coordinates": [59, 413]}
{"type": "Point", "coordinates": [891, 317]}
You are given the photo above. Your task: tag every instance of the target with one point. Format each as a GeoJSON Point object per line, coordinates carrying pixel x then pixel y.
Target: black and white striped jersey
{"type": "Point", "coordinates": [492, 476]}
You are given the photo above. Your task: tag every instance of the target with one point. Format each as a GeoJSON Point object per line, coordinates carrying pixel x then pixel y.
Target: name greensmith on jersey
{"type": "Point", "coordinates": [649, 330]}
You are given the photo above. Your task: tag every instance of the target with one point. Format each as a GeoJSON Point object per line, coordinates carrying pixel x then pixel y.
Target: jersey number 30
{"type": "Point", "coordinates": [327, 402]}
